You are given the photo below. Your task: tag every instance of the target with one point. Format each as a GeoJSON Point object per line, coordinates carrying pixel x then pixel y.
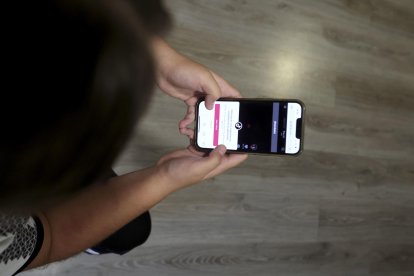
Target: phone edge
{"type": "Point", "coordinates": [302, 143]}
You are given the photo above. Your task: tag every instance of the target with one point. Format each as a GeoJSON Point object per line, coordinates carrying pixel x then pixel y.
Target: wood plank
{"type": "Point", "coordinates": [345, 206]}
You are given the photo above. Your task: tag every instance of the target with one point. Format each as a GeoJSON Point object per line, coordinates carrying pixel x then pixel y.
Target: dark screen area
{"type": "Point", "coordinates": [256, 132]}
{"type": "Point", "coordinates": [256, 118]}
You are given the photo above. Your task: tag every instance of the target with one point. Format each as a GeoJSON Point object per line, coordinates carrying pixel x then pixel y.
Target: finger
{"type": "Point", "coordinates": [210, 86]}
{"type": "Point", "coordinates": [188, 118]}
{"type": "Point", "coordinates": [190, 133]}
{"type": "Point", "coordinates": [192, 101]}
{"type": "Point", "coordinates": [184, 129]}
{"type": "Point", "coordinates": [212, 161]}
{"type": "Point", "coordinates": [196, 152]}
{"type": "Point", "coordinates": [227, 90]}
{"type": "Point", "coordinates": [230, 161]}
{"type": "Point", "coordinates": [233, 160]}
{"type": "Point", "coordinates": [187, 132]}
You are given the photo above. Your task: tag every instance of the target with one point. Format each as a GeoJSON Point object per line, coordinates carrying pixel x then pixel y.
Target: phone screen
{"type": "Point", "coordinates": [260, 126]}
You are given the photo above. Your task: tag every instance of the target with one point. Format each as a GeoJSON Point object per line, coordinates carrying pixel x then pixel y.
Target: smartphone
{"type": "Point", "coordinates": [261, 126]}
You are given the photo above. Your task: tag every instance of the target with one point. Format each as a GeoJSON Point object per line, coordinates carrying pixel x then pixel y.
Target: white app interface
{"type": "Point", "coordinates": [219, 125]}
{"type": "Point", "coordinates": [292, 143]}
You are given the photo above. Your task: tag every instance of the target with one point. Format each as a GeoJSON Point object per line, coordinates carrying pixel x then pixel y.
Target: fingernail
{"type": "Point", "coordinates": [222, 149]}
{"type": "Point", "coordinates": [209, 106]}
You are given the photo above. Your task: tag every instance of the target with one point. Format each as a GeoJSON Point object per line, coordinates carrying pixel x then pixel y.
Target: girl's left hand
{"type": "Point", "coordinates": [187, 80]}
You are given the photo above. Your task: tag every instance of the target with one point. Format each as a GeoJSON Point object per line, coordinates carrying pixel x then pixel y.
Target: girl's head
{"type": "Point", "coordinates": [78, 76]}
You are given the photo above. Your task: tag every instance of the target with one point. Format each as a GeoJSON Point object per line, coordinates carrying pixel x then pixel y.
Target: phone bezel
{"type": "Point", "coordinates": [198, 148]}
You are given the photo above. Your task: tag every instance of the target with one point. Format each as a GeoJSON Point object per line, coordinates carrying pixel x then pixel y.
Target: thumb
{"type": "Point", "coordinates": [212, 90]}
{"type": "Point", "coordinates": [207, 164]}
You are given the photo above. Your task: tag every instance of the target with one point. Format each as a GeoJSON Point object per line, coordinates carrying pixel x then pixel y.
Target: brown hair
{"type": "Point", "coordinates": [80, 73]}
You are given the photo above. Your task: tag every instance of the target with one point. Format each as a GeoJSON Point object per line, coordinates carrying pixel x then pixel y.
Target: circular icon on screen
{"type": "Point", "coordinates": [238, 125]}
{"type": "Point", "coordinates": [253, 147]}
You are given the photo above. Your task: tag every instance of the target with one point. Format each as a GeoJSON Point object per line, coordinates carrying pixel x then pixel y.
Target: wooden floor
{"type": "Point", "coordinates": [346, 205]}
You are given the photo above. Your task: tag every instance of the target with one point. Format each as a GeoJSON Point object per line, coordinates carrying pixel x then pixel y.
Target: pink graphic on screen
{"type": "Point", "coordinates": [216, 124]}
